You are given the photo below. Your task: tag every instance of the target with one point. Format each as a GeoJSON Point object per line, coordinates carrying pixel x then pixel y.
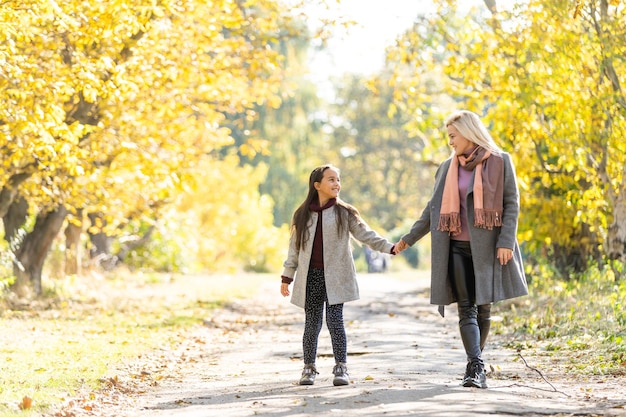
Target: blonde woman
{"type": "Point", "coordinates": [472, 217]}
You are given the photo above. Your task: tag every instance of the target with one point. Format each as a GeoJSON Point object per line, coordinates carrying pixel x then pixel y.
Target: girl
{"type": "Point", "coordinates": [320, 260]}
{"type": "Point", "coordinates": [472, 220]}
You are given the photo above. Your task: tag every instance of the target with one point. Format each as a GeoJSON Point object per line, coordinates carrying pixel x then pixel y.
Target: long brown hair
{"type": "Point", "coordinates": [302, 215]}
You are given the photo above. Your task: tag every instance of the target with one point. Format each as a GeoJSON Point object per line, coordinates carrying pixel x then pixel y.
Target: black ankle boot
{"type": "Point", "coordinates": [475, 375]}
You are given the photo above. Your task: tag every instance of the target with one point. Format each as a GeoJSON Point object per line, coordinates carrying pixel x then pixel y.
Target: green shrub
{"type": "Point", "coordinates": [584, 314]}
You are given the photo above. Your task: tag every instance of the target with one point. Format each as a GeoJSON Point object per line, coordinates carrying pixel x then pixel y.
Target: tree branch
{"type": "Point", "coordinates": [491, 5]}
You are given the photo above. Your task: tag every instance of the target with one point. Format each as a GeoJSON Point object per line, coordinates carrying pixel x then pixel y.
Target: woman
{"type": "Point", "coordinates": [472, 218]}
{"type": "Point", "coordinates": [320, 260]}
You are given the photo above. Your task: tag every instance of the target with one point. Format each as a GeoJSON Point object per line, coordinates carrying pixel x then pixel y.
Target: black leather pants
{"type": "Point", "coordinates": [474, 321]}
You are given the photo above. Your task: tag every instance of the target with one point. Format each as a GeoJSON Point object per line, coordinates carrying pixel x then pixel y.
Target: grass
{"type": "Point", "coordinates": [579, 325]}
{"type": "Point", "coordinates": [68, 340]}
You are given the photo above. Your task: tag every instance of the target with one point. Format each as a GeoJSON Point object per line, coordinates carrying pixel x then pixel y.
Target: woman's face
{"type": "Point", "coordinates": [329, 186]}
{"type": "Point", "coordinates": [458, 142]}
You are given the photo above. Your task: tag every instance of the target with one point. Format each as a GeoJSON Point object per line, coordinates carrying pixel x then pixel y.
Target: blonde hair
{"type": "Point", "coordinates": [469, 125]}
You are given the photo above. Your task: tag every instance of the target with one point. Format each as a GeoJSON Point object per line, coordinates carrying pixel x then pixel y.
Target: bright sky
{"type": "Point", "coordinates": [378, 23]}
{"type": "Point", "coordinates": [362, 50]}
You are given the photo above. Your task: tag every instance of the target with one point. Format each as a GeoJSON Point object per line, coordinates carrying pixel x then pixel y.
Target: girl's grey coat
{"type": "Point", "coordinates": [339, 270]}
{"type": "Point", "coordinates": [494, 282]}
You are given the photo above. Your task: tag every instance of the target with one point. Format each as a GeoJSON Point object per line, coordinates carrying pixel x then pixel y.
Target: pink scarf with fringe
{"type": "Point", "coordinates": [488, 192]}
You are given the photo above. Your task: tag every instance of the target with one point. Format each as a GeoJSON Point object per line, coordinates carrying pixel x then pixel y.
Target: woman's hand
{"type": "Point", "coordinates": [284, 289]}
{"type": "Point", "coordinates": [400, 246]}
{"type": "Point", "coordinates": [504, 255]}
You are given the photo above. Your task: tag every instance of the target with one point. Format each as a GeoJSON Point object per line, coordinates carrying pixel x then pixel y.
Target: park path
{"type": "Point", "coordinates": [404, 359]}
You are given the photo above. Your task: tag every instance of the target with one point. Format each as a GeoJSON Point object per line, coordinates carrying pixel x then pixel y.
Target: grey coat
{"type": "Point", "coordinates": [339, 269]}
{"type": "Point", "coordinates": [494, 282]}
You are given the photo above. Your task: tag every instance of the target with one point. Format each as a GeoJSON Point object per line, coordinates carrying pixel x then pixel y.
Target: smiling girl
{"type": "Point", "coordinates": [320, 260]}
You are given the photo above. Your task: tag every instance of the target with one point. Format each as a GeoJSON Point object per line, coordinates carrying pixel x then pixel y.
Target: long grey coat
{"type": "Point", "coordinates": [494, 282]}
{"type": "Point", "coordinates": [339, 269]}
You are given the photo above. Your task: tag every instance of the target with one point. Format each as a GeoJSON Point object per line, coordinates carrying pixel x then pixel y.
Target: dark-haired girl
{"type": "Point", "coordinates": [320, 261]}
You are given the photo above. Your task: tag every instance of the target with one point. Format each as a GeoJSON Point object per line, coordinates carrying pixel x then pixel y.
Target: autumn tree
{"type": "Point", "coordinates": [292, 138]}
{"type": "Point", "coordinates": [385, 173]}
{"type": "Point", "coordinates": [286, 139]}
{"type": "Point", "coordinates": [296, 147]}
{"type": "Point", "coordinates": [552, 97]}
{"type": "Point", "coordinates": [253, 244]}
{"type": "Point", "coordinates": [107, 108]}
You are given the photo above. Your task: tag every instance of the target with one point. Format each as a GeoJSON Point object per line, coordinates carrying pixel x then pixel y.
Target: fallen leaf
{"type": "Point", "coordinates": [26, 403]}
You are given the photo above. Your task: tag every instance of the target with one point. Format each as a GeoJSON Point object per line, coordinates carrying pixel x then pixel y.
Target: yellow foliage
{"type": "Point", "coordinates": [548, 87]}
{"type": "Point", "coordinates": [112, 107]}
{"type": "Point", "coordinates": [125, 95]}
{"type": "Point", "coordinates": [231, 222]}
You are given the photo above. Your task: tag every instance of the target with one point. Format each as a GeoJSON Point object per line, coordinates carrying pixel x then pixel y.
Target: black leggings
{"type": "Point", "coordinates": [314, 310]}
{"type": "Point", "coordinates": [474, 321]}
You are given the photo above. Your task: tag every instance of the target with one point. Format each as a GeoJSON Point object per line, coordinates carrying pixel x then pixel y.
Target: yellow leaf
{"type": "Point", "coordinates": [26, 403]}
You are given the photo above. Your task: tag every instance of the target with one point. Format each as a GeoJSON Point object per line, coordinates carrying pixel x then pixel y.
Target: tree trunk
{"type": "Point", "coordinates": [101, 244]}
{"type": "Point", "coordinates": [9, 191]}
{"type": "Point", "coordinates": [100, 252]}
{"type": "Point", "coordinates": [133, 244]}
{"type": "Point", "coordinates": [491, 5]}
{"type": "Point", "coordinates": [616, 248]}
{"type": "Point", "coordinates": [33, 251]}
{"type": "Point", "coordinates": [14, 218]}
{"type": "Point", "coordinates": [72, 246]}
{"type": "Point", "coordinates": [617, 229]}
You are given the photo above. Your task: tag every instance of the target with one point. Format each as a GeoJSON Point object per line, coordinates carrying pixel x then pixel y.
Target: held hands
{"type": "Point", "coordinates": [504, 255]}
{"type": "Point", "coordinates": [400, 246]}
{"type": "Point", "coordinates": [284, 289]}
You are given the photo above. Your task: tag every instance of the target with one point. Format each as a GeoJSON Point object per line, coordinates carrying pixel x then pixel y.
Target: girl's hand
{"type": "Point", "coordinates": [504, 255]}
{"type": "Point", "coordinates": [284, 289]}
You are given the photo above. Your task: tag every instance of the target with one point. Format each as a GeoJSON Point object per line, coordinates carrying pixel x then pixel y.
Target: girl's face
{"type": "Point", "coordinates": [460, 144]}
{"type": "Point", "coordinates": [329, 186]}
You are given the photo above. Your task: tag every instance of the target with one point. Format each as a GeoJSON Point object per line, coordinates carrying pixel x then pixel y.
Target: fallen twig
{"type": "Point", "coordinates": [542, 377]}
{"type": "Point", "coordinates": [540, 374]}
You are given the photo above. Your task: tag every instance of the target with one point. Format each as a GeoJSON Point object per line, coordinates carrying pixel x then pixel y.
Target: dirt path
{"type": "Point", "coordinates": [403, 360]}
